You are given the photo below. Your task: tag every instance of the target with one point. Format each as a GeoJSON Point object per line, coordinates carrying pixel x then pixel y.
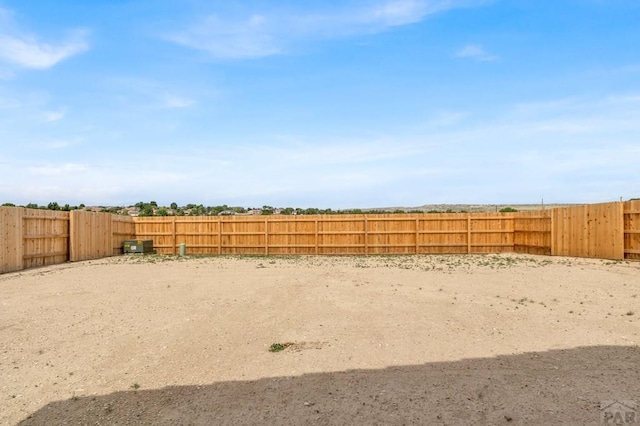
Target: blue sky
{"type": "Point", "coordinates": [320, 103]}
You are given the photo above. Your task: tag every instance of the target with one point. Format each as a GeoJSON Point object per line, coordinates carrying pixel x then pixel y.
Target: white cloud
{"type": "Point", "coordinates": [250, 38]}
{"type": "Point", "coordinates": [59, 144]}
{"type": "Point", "coordinates": [57, 170]}
{"type": "Point", "coordinates": [30, 53]}
{"type": "Point", "coordinates": [402, 12]}
{"type": "Point", "coordinates": [264, 34]}
{"type": "Point", "coordinates": [174, 101]}
{"type": "Point", "coordinates": [52, 116]}
{"type": "Point", "coordinates": [567, 150]}
{"type": "Point", "coordinates": [476, 52]}
{"type": "Point", "coordinates": [20, 48]}
{"type": "Point", "coordinates": [152, 94]}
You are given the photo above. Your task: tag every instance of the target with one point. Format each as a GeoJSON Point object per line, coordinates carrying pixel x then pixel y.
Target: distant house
{"type": "Point", "coordinates": [255, 211]}
{"type": "Point", "coordinates": [227, 213]}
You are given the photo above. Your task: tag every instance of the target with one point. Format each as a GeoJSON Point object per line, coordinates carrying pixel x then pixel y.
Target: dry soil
{"type": "Point", "coordinates": [486, 339]}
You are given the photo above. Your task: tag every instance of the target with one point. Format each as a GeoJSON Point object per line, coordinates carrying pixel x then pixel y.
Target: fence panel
{"type": "Point", "coordinates": [158, 229]}
{"type": "Point", "coordinates": [390, 234]}
{"type": "Point", "coordinates": [45, 237]}
{"type": "Point", "coordinates": [491, 232]}
{"type": "Point", "coordinates": [292, 235]}
{"type": "Point", "coordinates": [200, 234]}
{"type": "Point", "coordinates": [532, 232]}
{"type": "Point", "coordinates": [595, 230]}
{"type": "Point", "coordinates": [122, 229]}
{"type": "Point", "coordinates": [341, 234]}
{"type": "Point", "coordinates": [632, 230]}
{"type": "Point", "coordinates": [11, 233]}
{"type": "Point", "coordinates": [90, 235]}
{"type": "Point", "coordinates": [440, 233]}
{"type": "Point", "coordinates": [32, 237]}
{"type": "Point", "coordinates": [244, 235]}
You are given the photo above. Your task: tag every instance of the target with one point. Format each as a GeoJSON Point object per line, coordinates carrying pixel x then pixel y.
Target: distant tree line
{"type": "Point", "coordinates": [51, 206]}
{"type": "Point", "coordinates": [152, 208]}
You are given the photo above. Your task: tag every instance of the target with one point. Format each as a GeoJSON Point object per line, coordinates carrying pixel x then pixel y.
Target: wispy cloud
{"type": "Point", "coordinates": [26, 50]}
{"type": "Point", "coordinates": [543, 148]}
{"type": "Point", "coordinates": [151, 94]}
{"type": "Point", "coordinates": [399, 12]}
{"type": "Point", "coordinates": [59, 144]}
{"type": "Point", "coordinates": [475, 52]}
{"type": "Point", "coordinates": [175, 101]}
{"type": "Point", "coordinates": [31, 53]}
{"type": "Point", "coordinates": [52, 116]}
{"type": "Point", "coordinates": [266, 34]}
{"type": "Point", "coordinates": [57, 170]}
{"type": "Point", "coordinates": [249, 38]}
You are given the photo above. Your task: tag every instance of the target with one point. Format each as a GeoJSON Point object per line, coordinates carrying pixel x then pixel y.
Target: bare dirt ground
{"type": "Point", "coordinates": [495, 339]}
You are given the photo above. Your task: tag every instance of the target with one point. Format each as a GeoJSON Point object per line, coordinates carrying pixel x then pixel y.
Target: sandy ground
{"type": "Point", "coordinates": [495, 339]}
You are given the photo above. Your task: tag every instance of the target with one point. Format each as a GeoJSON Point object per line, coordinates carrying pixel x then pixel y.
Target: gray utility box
{"type": "Point", "coordinates": [138, 246]}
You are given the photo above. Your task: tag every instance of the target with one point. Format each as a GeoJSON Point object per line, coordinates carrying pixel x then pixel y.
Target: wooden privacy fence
{"type": "Point", "coordinates": [33, 237]}
{"type": "Point", "coordinates": [607, 231]}
{"type": "Point", "coordinates": [331, 234]}
{"type": "Point", "coordinates": [40, 237]}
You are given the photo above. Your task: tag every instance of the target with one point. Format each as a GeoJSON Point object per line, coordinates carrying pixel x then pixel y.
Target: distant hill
{"type": "Point", "coordinates": [473, 208]}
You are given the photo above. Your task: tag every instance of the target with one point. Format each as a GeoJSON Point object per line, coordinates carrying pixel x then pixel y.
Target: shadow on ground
{"type": "Point", "coordinates": [554, 387]}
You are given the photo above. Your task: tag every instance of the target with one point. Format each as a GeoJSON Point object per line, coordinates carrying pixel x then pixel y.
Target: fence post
{"type": "Point", "coordinates": [552, 213]}
{"type": "Point", "coordinates": [317, 251]}
{"type": "Point", "coordinates": [173, 234]}
{"type": "Point", "coordinates": [73, 239]}
{"type": "Point", "coordinates": [366, 235]}
{"type": "Point", "coordinates": [619, 254]}
{"type": "Point", "coordinates": [417, 233]}
{"type": "Point", "coordinates": [266, 236]}
{"type": "Point", "coordinates": [220, 222]}
{"type": "Point", "coordinates": [468, 233]}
